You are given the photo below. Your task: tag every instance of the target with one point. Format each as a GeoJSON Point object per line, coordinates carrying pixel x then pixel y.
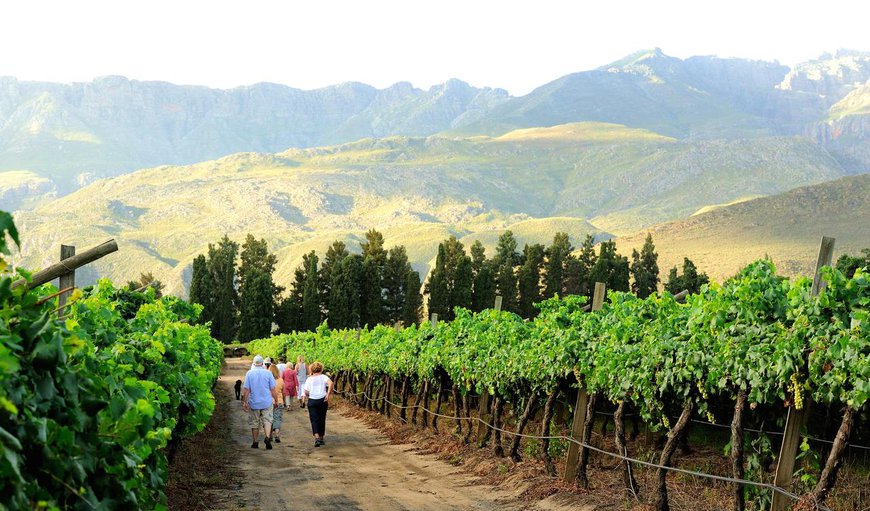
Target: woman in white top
{"type": "Point", "coordinates": [301, 375]}
{"type": "Point", "coordinates": [317, 389]}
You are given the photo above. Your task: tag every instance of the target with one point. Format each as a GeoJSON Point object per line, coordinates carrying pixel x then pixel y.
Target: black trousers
{"type": "Point", "coordinates": [317, 413]}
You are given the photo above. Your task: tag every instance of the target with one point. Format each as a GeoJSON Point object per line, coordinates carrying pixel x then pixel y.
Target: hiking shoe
{"type": "Point", "coordinates": [277, 440]}
{"type": "Point", "coordinates": [255, 445]}
{"type": "Point", "coordinates": [318, 443]}
{"type": "Point", "coordinates": [268, 444]}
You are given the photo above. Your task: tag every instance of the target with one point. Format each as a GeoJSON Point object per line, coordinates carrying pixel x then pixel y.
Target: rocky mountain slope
{"type": "Point", "coordinates": [71, 134]}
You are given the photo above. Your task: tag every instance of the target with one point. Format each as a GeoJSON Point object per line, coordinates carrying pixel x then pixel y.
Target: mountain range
{"type": "Point", "coordinates": [54, 137]}
{"type": "Point", "coordinates": [632, 146]}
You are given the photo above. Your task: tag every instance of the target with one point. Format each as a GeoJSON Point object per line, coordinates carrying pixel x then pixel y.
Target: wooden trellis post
{"type": "Point", "coordinates": [69, 264]}
{"type": "Point", "coordinates": [582, 403]}
{"type": "Point", "coordinates": [796, 419]}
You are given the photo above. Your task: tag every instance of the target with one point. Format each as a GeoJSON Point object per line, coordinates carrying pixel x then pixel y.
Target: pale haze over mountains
{"type": "Point", "coordinates": [641, 141]}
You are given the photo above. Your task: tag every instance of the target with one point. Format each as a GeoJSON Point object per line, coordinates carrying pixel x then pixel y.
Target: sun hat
{"type": "Point", "coordinates": [258, 360]}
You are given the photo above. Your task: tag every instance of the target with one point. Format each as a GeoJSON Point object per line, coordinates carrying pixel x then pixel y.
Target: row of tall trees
{"type": "Point", "coordinates": [376, 285]}
{"type": "Point", "coordinates": [239, 302]}
{"type": "Point", "coordinates": [524, 278]}
{"type": "Point", "coordinates": [347, 290]}
{"type": "Point", "coordinates": [351, 290]}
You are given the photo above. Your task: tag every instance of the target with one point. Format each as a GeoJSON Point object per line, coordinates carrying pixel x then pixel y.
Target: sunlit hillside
{"type": "Point", "coordinates": [786, 227]}
{"type": "Point", "coordinates": [582, 178]}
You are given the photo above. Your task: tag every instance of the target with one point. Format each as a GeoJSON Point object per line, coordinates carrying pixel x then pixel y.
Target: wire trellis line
{"type": "Point", "coordinates": [727, 479]}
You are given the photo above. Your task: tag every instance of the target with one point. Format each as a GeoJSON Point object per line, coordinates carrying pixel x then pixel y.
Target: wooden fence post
{"type": "Point", "coordinates": [796, 419]}
{"type": "Point", "coordinates": [434, 319]}
{"type": "Point", "coordinates": [483, 401]}
{"type": "Point", "coordinates": [71, 263]}
{"type": "Point", "coordinates": [67, 280]}
{"type": "Point", "coordinates": [582, 403]}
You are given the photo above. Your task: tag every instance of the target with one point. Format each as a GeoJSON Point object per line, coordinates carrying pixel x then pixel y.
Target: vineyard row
{"type": "Point", "coordinates": [758, 340]}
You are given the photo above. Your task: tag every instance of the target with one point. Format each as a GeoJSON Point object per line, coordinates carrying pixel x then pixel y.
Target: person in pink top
{"type": "Point", "coordinates": [291, 384]}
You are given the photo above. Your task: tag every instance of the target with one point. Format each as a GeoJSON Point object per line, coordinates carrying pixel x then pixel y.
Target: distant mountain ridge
{"type": "Point", "coordinates": [71, 134]}
{"type": "Point", "coordinates": [75, 132]}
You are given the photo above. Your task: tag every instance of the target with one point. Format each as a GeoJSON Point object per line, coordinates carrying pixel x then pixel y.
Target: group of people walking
{"type": "Point", "coordinates": [269, 391]}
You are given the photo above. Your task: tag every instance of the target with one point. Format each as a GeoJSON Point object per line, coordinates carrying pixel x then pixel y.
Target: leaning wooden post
{"type": "Point", "coordinates": [71, 263]}
{"type": "Point", "coordinates": [67, 280]}
{"type": "Point", "coordinates": [582, 404]}
{"type": "Point", "coordinates": [483, 402]}
{"type": "Point", "coordinates": [791, 438]}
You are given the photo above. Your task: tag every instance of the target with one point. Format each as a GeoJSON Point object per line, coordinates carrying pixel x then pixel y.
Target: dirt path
{"type": "Point", "coordinates": [358, 469]}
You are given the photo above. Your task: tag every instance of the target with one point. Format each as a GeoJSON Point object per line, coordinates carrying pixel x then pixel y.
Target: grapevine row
{"type": "Point", "coordinates": [757, 339]}
{"type": "Point", "coordinates": [91, 405]}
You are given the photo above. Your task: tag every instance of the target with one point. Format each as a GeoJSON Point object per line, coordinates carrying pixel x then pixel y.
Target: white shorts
{"type": "Point", "coordinates": [299, 392]}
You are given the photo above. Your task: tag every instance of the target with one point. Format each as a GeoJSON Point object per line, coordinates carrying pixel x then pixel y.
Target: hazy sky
{"type": "Point", "coordinates": [314, 43]}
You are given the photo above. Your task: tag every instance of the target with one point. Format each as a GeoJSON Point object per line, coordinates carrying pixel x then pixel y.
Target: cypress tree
{"type": "Point", "coordinates": [413, 306]}
{"type": "Point", "coordinates": [506, 286]}
{"type": "Point", "coordinates": [557, 259]}
{"type": "Point", "coordinates": [506, 250]}
{"type": "Point", "coordinates": [255, 262]}
{"type": "Point", "coordinates": [371, 292]}
{"type": "Point", "coordinates": [437, 286]}
{"type": "Point", "coordinates": [395, 284]}
{"type": "Point", "coordinates": [463, 281]}
{"type": "Point", "coordinates": [257, 307]}
{"type": "Point", "coordinates": [483, 295]}
{"type": "Point", "coordinates": [344, 297]}
{"type": "Point", "coordinates": [334, 254]}
{"type": "Point", "coordinates": [201, 287]}
{"type": "Point", "coordinates": [610, 268]}
{"type": "Point", "coordinates": [288, 315]}
{"type": "Point", "coordinates": [674, 282]}
{"type": "Point", "coordinates": [451, 281]}
{"type": "Point", "coordinates": [645, 269]}
{"type": "Point", "coordinates": [586, 261]}
{"type": "Point", "coordinates": [506, 257]}
{"type": "Point", "coordinates": [310, 293]}
{"type": "Point", "coordinates": [290, 309]}
{"type": "Point", "coordinates": [529, 279]}
{"type": "Point", "coordinates": [690, 280]}
{"type": "Point", "coordinates": [483, 287]}
{"type": "Point", "coordinates": [222, 267]}
{"type": "Point", "coordinates": [478, 256]}
{"type": "Point", "coordinates": [255, 259]}
{"type": "Point", "coordinates": [575, 276]}
{"type": "Point", "coordinates": [373, 247]}
{"type": "Point", "coordinates": [371, 287]}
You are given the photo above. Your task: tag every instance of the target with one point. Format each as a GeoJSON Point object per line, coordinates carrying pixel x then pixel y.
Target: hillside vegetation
{"type": "Point", "coordinates": [416, 191]}
{"type": "Point", "coordinates": [786, 227]}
